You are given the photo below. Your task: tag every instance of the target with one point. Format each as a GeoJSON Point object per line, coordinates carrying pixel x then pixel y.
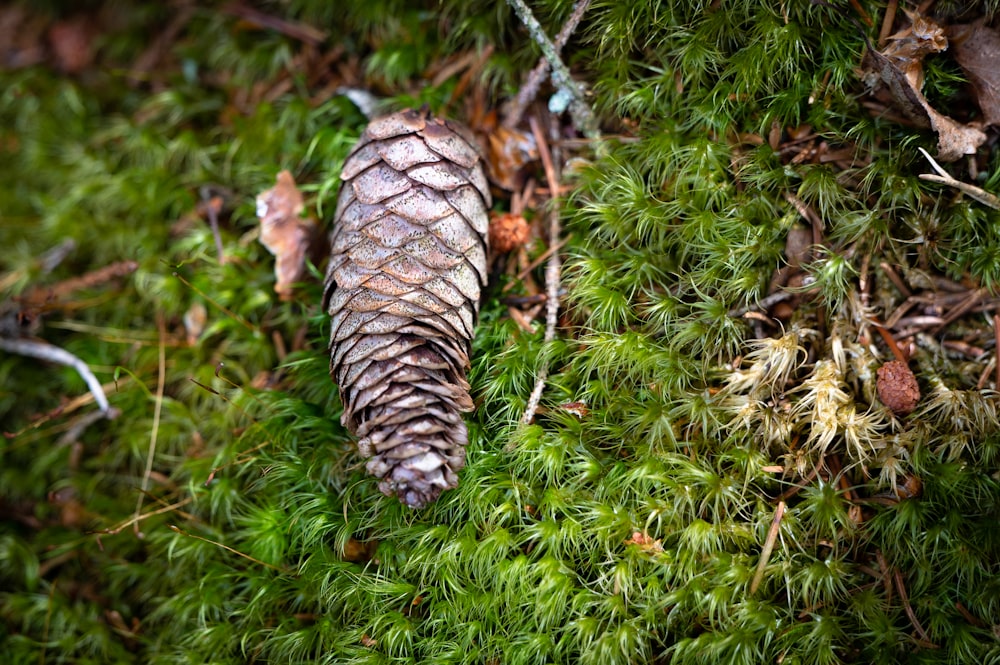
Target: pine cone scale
{"type": "Point", "coordinates": [379, 183]}
{"type": "Point", "coordinates": [403, 285]}
{"type": "Point", "coordinates": [403, 153]}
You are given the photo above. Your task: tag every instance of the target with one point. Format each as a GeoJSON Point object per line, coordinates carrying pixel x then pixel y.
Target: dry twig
{"type": "Point", "coordinates": [529, 90]}
{"type": "Point", "coordinates": [944, 178]}
{"type": "Point", "coordinates": [552, 270]}
{"type": "Point", "coordinates": [52, 353]}
{"type": "Point", "coordinates": [901, 588]}
{"type": "Point", "coordinates": [583, 116]}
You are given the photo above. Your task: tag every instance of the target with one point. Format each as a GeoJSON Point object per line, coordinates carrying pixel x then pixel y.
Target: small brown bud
{"type": "Point", "coordinates": [897, 387]}
{"type": "Point", "coordinates": [508, 232]}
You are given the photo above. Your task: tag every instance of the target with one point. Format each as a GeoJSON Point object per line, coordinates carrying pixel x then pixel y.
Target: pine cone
{"type": "Point", "coordinates": [408, 261]}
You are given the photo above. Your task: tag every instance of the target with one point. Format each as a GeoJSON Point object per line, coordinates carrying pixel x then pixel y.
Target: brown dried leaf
{"type": "Point", "coordinates": [977, 52]}
{"type": "Point", "coordinates": [358, 551]}
{"type": "Point", "coordinates": [911, 45]}
{"type": "Point", "coordinates": [194, 322]}
{"type": "Point", "coordinates": [72, 43]}
{"type": "Point", "coordinates": [900, 70]}
{"type": "Point", "coordinates": [285, 234]}
{"type": "Point", "coordinates": [508, 152]}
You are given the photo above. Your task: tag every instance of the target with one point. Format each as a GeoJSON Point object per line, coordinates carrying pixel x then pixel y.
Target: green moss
{"type": "Point", "coordinates": [632, 533]}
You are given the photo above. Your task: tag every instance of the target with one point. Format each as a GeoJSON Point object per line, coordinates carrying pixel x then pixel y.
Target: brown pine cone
{"type": "Point", "coordinates": [402, 289]}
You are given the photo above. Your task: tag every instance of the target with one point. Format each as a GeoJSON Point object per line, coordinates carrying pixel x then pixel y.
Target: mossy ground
{"type": "Point", "coordinates": [629, 532]}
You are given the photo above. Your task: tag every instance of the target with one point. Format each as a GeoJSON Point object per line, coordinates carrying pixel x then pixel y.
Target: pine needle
{"type": "Point", "coordinates": [765, 553]}
{"type": "Point", "coordinates": [157, 408]}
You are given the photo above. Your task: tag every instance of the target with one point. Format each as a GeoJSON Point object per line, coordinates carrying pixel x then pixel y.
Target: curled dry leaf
{"type": "Point", "coordinates": [908, 47]}
{"type": "Point", "coordinates": [912, 487]}
{"type": "Point", "coordinates": [899, 70]}
{"type": "Point", "coordinates": [578, 409]}
{"type": "Point", "coordinates": [508, 152]}
{"type": "Point", "coordinates": [359, 551]}
{"type": "Point", "coordinates": [195, 319]}
{"type": "Point", "coordinates": [285, 234]}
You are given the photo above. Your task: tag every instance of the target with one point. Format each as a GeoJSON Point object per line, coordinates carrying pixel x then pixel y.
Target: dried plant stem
{"type": "Point", "coordinates": [583, 117]}
{"type": "Point", "coordinates": [996, 336]}
{"type": "Point", "coordinates": [552, 271]}
{"type": "Point", "coordinates": [944, 178]}
{"type": "Point", "coordinates": [42, 294]}
{"type": "Point", "coordinates": [161, 380]}
{"type": "Point", "coordinates": [887, 22]}
{"type": "Point", "coordinates": [52, 353]}
{"type": "Point", "coordinates": [901, 589]}
{"type": "Point", "coordinates": [890, 341]}
{"type": "Point", "coordinates": [177, 529]}
{"type": "Point", "coordinates": [113, 531]}
{"type": "Point", "coordinates": [529, 90]}
{"type": "Point", "coordinates": [213, 222]}
{"type": "Point", "coordinates": [765, 553]}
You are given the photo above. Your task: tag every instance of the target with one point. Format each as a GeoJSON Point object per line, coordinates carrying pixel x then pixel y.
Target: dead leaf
{"type": "Point", "coordinates": [508, 152]}
{"type": "Point", "coordinates": [977, 52]}
{"type": "Point", "coordinates": [358, 551]}
{"type": "Point", "coordinates": [285, 234]}
{"type": "Point", "coordinates": [72, 43]}
{"type": "Point", "coordinates": [900, 70]}
{"type": "Point", "coordinates": [194, 322]}
{"type": "Point", "coordinates": [910, 46]}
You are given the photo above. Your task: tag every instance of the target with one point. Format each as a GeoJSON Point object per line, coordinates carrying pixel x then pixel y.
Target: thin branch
{"type": "Point", "coordinates": [41, 295]}
{"type": "Point", "coordinates": [294, 29]}
{"type": "Point", "coordinates": [583, 117]}
{"type": "Point", "coordinates": [52, 353]}
{"type": "Point", "coordinates": [887, 21]}
{"type": "Point", "coordinates": [944, 178]}
{"type": "Point", "coordinates": [552, 270]}
{"type": "Point", "coordinates": [529, 90]}
{"type": "Point", "coordinates": [213, 221]}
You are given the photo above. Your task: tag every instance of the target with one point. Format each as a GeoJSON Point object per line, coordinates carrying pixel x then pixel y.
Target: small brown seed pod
{"type": "Point", "coordinates": [408, 262]}
{"type": "Point", "coordinates": [897, 387]}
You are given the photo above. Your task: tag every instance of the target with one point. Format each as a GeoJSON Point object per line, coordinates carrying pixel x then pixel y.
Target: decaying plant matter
{"type": "Point", "coordinates": [408, 262]}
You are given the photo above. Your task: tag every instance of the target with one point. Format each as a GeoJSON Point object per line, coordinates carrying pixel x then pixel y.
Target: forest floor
{"type": "Point", "coordinates": [735, 372]}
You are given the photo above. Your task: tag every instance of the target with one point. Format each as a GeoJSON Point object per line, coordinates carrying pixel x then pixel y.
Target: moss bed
{"type": "Point", "coordinates": [711, 476]}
